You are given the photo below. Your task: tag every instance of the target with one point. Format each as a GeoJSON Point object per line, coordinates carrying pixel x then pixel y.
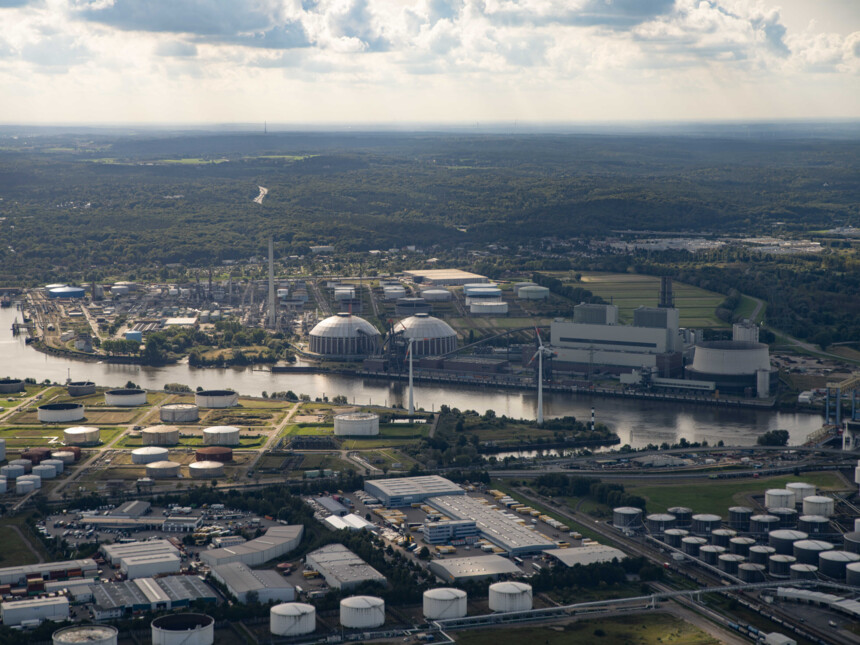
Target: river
{"type": "Point", "coordinates": [636, 422]}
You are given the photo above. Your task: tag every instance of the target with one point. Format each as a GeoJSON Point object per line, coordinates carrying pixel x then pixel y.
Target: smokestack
{"type": "Point", "coordinates": [272, 303]}
{"type": "Point", "coordinates": [667, 298]}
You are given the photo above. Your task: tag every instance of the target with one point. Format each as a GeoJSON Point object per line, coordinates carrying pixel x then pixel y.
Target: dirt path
{"type": "Point", "coordinates": [274, 437]}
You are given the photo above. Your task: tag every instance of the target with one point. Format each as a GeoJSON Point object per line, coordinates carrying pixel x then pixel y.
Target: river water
{"type": "Point", "coordinates": [636, 422]}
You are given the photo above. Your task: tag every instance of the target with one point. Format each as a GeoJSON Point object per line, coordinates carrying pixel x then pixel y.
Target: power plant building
{"type": "Point", "coordinates": [734, 366]}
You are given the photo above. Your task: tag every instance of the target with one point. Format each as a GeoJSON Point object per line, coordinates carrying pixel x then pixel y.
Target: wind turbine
{"type": "Point", "coordinates": [411, 395]}
{"type": "Point", "coordinates": [540, 353]}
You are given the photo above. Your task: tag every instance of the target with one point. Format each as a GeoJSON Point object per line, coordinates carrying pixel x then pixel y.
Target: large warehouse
{"type": "Point", "coordinates": [344, 336]}
{"type": "Point", "coordinates": [479, 567]}
{"type": "Point", "coordinates": [430, 336]}
{"type": "Point", "coordinates": [114, 553]}
{"type": "Point", "coordinates": [404, 491]}
{"type": "Point", "coordinates": [16, 612]}
{"type": "Point", "coordinates": [341, 568]}
{"type": "Point", "coordinates": [86, 568]}
{"type": "Point", "coordinates": [445, 277]}
{"type": "Point", "coordinates": [240, 580]}
{"type": "Point", "coordinates": [114, 600]}
{"type": "Point", "coordinates": [278, 541]}
{"type": "Point", "coordinates": [585, 555]}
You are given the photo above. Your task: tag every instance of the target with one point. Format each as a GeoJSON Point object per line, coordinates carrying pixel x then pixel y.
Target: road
{"type": "Point", "coordinates": [274, 437]}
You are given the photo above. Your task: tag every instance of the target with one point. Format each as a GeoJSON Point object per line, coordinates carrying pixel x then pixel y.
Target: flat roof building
{"type": "Point", "coordinates": [114, 553]}
{"type": "Point", "coordinates": [240, 580]}
{"type": "Point", "coordinates": [19, 611]}
{"type": "Point", "coordinates": [332, 506]}
{"type": "Point", "coordinates": [445, 277]}
{"type": "Point", "coordinates": [113, 600]}
{"type": "Point", "coordinates": [150, 564]}
{"type": "Point", "coordinates": [49, 570]}
{"type": "Point", "coordinates": [408, 490]}
{"type": "Point", "coordinates": [131, 509]}
{"type": "Point", "coordinates": [477, 567]}
{"type": "Point", "coordinates": [278, 541]}
{"type": "Point", "coordinates": [341, 568]}
{"type": "Point", "coordinates": [585, 555]}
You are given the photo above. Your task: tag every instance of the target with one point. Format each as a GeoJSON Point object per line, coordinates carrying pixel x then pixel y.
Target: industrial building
{"type": "Point", "coordinates": [448, 530]}
{"type": "Point", "coordinates": [114, 553]}
{"type": "Point", "coordinates": [445, 277]}
{"type": "Point", "coordinates": [86, 568]}
{"type": "Point", "coordinates": [153, 564]}
{"type": "Point", "coordinates": [430, 336]}
{"type": "Point", "coordinates": [735, 366]}
{"type": "Point", "coordinates": [278, 541]}
{"type": "Point", "coordinates": [344, 336]}
{"type": "Point", "coordinates": [18, 612]}
{"type": "Point", "coordinates": [502, 529]}
{"type": "Point", "coordinates": [113, 600]}
{"type": "Point", "coordinates": [351, 522]}
{"type": "Point", "coordinates": [240, 580]}
{"type": "Point", "coordinates": [479, 567]}
{"type": "Point", "coordinates": [585, 555]}
{"type": "Point", "coordinates": [341, 568]}
{"type": "Point", "coordinates": [408, 490]}
{"type": "Point", "coordinates": [332, 506]}
{"type": "Point", "coordinates": [132, 509]}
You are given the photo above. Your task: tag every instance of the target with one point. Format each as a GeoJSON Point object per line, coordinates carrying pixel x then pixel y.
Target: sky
{"type": "Point", "coordinates": [427, 61]}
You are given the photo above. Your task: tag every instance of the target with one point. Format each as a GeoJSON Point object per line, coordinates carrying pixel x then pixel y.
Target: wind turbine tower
{"type": "Point", "coordinates": [411, 391]}
{"type": "Point", "coordinates": [542, 351]}
{"type": "Point", "coordinates": [272, 303]}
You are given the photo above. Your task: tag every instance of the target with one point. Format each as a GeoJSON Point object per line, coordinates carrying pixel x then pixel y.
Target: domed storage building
{"type": "Point", "coordinates": [125, 397]}
{"type": "Point", "coordinates": [60, 412]}
{"type": "Point", "coordinates": [221, 436]}
{"type": "Point", "coordinates": [734, 366]}
{"type": "Point", "coordinates": [160, 436]}
{"type": "Point", "coordinates": [216, 399]}
{"type": "Point", "coordinates": [510, 596]}
{"type": "Point", "coordinates": [148, 455]}
{"type": "Point", "coordinates": [81, 436]}
{"type": "Point", "coordinates": [292, 619]}
{"type": "Point", "coordinates": [430, 336]}
{"type": "Point", "coordinates": [344, 336]}
{"type": "Point", "coordinates": [365, 424]}
{"type": "Point", "coordinates": [86, 635]}
{"type": "Point", "coordinates": [183, 629]}
{"type": "Point", "coordinates": [65, 292]}
{"type": "Point", "coordinates": [81, 388]}
{"type": "Point", "coordinates": [444, 602]}
{"type": "Point", "coordinates": [214, 453]}
{"type": "Point", "coordinates": [162, 469]}
{"type": "Point", "coordinates": [179, 413]}
{"type": "Point", "coordinates": [362, 612]}
{"type": "Point", "coordinates": [206, 469]}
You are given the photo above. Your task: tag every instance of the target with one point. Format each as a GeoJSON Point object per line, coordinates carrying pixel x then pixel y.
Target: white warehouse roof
{"type": "Point", "coordinates": [241, 580]}
{"type": "Point", "coordinates": [473, 568]}
{"type": "Point", "coordinates": [341, 568]}
{"type": "Point", "coordinates": [586, 554]}
{"type": "Point", "coordinates": [344, 325]}
{"type": "Point", "coordinates": [277, 541]}
{"type": "Point", "coordinates": [116, 552]}
{"type": "Point", "coordinates": [424, 326]}
{"type": "Point", "coordinates": [406, 490]}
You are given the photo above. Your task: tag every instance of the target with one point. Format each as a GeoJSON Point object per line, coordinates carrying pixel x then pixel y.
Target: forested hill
{"type": "Point", "coordinates": [81, 200]}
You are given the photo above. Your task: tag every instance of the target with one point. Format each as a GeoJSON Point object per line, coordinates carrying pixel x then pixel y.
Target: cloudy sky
{"type": "Point", "coordinates": [407, 61]}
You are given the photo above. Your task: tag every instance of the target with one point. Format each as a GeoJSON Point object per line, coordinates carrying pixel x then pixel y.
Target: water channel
{"type": "Point", "coordinates": [636, 422]}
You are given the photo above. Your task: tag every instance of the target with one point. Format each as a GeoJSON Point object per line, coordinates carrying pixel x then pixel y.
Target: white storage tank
{"type": "Point", "coordinates": [444, 602]}
{"type": "Point", "coordinates": [58, 464]}
{"type": "Point", "coordinates": [436, 295]}
{"type": "Point", "coordinates": [204, 469]}
{"type": "Point", "coordinates": [356, 423]}
{"type": "Point", "coordinates": [86, 635]}
{"type": "Point", "coordinates": [3, 485]}
{"type": "Point", "coordinates": [45, 471]}
{"type": "Point", "coordinates": [125, 397]}
{"type": "Point", "coordinates": [292, 619]}
{"type": "Point", "coordinates": [488, 308]}
{"type": "Point", "coordinates": [393, 292]}
{"type": "Point", "coordinates": [37, 481]}
{"type": "Point", "coordinates": [148, 455]}
{"type": "Point", "coordinates": [12, 471]}
{"type": "Point", "coordinates": [81, 388]}
{"type": "Point", "coordinates": [183, 629]}
{"type": "Point", "coordinates": [362, 612]}
{"type": "Point", "coordinates": [160, 436]}
{"type": "Point", "coordinates": [533, 293]}
{"type": "Point", "coordinates": [81, 436]}
{"type": "Point", "coordinates": [60, 412]}
{"type": "Point", "coordinates": [22, 486]}
{"type": "Point", "coordinates": [179, 413]}
{"type": "Point", "coordinates": [818, 505]}
{"type": "Point", "coordinates": [519, 285]}
{"type": "Point", "coordinates": [26, 464]}
{"type": "Point", "coordinates": [221, 436]}
{"type": "Point", "coordinates": [216, 399]}
{"type": "Point", "coordinates": [778, 498]}
{"type": "Point", "coordinates": [65, 456]}
{"type": "Point", "coordinates": [801, 491]}
{"type": "Point", "coordinates": [162, 469]}
{"type": "Point", "coordinates": [807, 551]}
{"type": "Point", "coordinates": [510, 596]}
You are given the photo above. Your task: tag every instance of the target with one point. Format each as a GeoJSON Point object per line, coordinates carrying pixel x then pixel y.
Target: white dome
{"type": "Point", "coordinates": [422, 326]}
{"type": "Point", "coordinates": [345, 336]}
{"type": "Point", "coordinates": [343, 325]}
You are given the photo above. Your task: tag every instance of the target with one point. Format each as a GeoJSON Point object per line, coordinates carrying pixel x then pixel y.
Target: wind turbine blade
{"type": "Point", "coordinates": [535, 356]}
{"type": "Point", "coordinates": [537, 333]}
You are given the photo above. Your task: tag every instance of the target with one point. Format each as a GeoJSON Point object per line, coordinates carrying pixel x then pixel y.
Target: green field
{"type": "Point", "coordinates": [15, 552]}
{"type": "Point", "coordinates": [642, 629]}
{"type": "Point", "coordinates": [716, 496]}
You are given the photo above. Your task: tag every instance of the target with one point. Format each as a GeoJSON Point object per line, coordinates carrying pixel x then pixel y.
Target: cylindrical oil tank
{"type": "Point", "coordinates": [125, 397]}
{"type": "Point", "coordinates": [2, 449]}
{"type": "Point", "coordinates": [749, 572]}
{"type": "Point", "coordinates": [510, 596]}
{"type": "Point", "coordinates": [216, 399]}
{"type": "Point", "coordinates": [10, 385]}
{"type": "Point", "coordinates": [852, 574]}
{"type": "Point", "coordinates": [204, 469]}
{"type": "Point", "coordinates": [683, 516]}
{"type": "Point", "coordinates": [362, 612]}
{"type": "Point", "coordinates": [801, 491]}
{"type": "Point", "coordinates": [26, 464]}
{"type": "Point", "coordinates": [779, 565]}
{"type": "Point", "coordinates": [818, 505]}
{"type": "Point", "coordinates": [183, 629]}
{"type": "Point", "coordinates": [832, 563]}
{"type": "Point", "coordinates": [66, 456]}
{"type": "Point", "coordinates": [519, 285]}
{"type": "Point", "coordinates": [221, 436]}
{"type": "Point", "coordinates": [673, 537]}
{"type": "Point", "coordinates": [81, 388]}
{"type": "Point", "coordinates": [705, 523]}
{"type": "Point", "coordinates": [787, 517]}
{"type": "Point", "coordinates": [851, 542]}
{"type": "Point", "coordinates": [37, 481]}
{"type": "Point", "coordinates": [691, 545]}
{"type": "Point", "coordinates": [533, 293]}
{"type": "Point", "coordinates": [857, 522]}
{"type": "Point", "coordinates": [12, 471]}
{"type": "Point", "coordinates": [393, 292]}
{"type": "Point", "coordinates": [709, 553]}
{"type": "Point", "coordinates": [60, 412]}
{"type": "Point", "coordinates": [214, 453]}
{"type": "Point", "coordinates": [814, 524]}
{"type": "Point", "coordinates": [722, 537]}
{"type": "Point", "coordinates": [58, 464]}
{"type": "Point", "coordinates": [365, 424]}
{"type": "Point", "coordinates": [436, 295]}
{"type": "Point", "coordinates": [729, 563]}
{"type": "Point", "coordinates": [739, 518]}
{"type": "Point", "coordinates": [444, 602]}
{"type": "Point", "coordinates": [81, 436]}
{"type": "Point", "coordinates": [783, 540]}
{"type": "Point", "coordinates": [4, 485]}
{"type": "Point", "coordinates": [807, 551]}
{"type": "Point", "coordinates": [160, 436]}
{"type": "Point", "coordinates": [763, 524]}
{"type": "Point", "coordinates": [803, 571]}
{"type": "Point", "coordinates": [627, 517]}
{"type": "Point", "coordinates": [778, 498]}
{"type": "Point", "coordinates": [86, 635]}
{"type": "Point", "coordinates": [162, 469]}
{"type": "Point", "coordinates": [657, 523]}
{"type": "Point", "coordinates": [760, 554]}
{"type": "Point", "coordinates": [179, 413]}
{"type": "Point", "coordinates": [292, 619]}
{"type": "Point", "coordinates": [45, 471]}
{"type": "Point", "coordinates": [741, 545]}
{"type": "Point", "coordinates": [36, 455]}
{"type": "Point", "coordinates": [148, 455]}
{"type": "Point", "coordinates": [22, 486]}
{"type": "Point", "coordinates": [488, 308]}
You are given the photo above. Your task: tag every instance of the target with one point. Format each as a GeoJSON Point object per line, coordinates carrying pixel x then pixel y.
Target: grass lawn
{"type": "Point", "coordinates": [716, 496]}
{"type": "Point", "coordinates": [15, 552]}
{"type": "Point", "coordinates": [642, 629]}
